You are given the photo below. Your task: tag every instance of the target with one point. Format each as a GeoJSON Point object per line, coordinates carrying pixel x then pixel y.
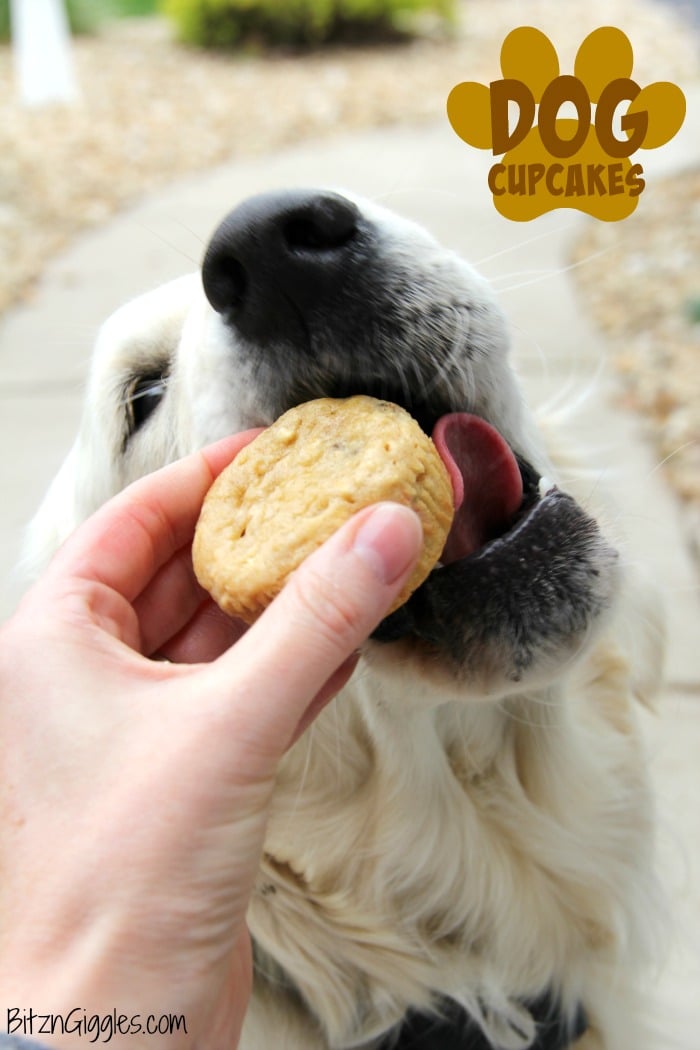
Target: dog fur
{"type": "Point", "coordinates": [471, 817]}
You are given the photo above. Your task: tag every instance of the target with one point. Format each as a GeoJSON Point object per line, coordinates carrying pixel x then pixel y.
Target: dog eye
{"type": "Point", "coordinates": [143, 397]}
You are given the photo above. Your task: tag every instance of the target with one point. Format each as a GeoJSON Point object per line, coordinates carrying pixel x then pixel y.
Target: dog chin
{"type": "Point", "coordinates": [516, 612]}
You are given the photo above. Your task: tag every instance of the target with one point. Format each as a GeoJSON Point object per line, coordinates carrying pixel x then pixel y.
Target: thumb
{"type": "Point", "coordinates": [328, 607]}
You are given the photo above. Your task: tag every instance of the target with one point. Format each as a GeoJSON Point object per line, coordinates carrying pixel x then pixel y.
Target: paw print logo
{"type": "Point", "coordinates": [580, 161]}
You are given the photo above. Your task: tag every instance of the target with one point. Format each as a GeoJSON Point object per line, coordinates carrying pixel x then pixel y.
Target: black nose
{"type": "Point", "coordinates": [277, 257]}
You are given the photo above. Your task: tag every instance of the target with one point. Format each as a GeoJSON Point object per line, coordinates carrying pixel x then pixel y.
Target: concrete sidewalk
{"type": "Point", "coordinates": [431, 176]}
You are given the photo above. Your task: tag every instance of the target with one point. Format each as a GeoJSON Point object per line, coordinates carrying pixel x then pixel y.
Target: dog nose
{"type": "Point", "coordinates": [277, 257]}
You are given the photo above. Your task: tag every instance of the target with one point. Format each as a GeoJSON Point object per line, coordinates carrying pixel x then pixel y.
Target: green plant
{"type": "Point", "coordinates": [692, 309]}
{"type": "Point", "coordinates": [135, 7]}
{"type": "Point", "coordinates": [84, 16]}
{"type": "Point", "coordinates": [230, 23]}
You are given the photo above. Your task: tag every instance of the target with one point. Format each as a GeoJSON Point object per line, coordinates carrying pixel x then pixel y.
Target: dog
{"type": "Point", "coordinates": [460, 850]}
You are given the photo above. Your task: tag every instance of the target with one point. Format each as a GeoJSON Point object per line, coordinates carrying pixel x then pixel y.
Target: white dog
{"type": "Point", "coordinates": [459, 852]}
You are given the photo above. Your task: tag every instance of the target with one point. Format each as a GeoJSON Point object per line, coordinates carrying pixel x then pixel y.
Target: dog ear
{"type": "Point", "coordinates": [57, 516]}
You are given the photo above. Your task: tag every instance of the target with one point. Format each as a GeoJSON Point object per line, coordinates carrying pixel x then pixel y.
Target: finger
{"type": "Point", "coordinates": [327, 609]}
{"type": "Point", "coordinates": [207, 635]}
{"type": "Point", "coordinates": [337, 681]}
{"type": "Point", "coordinates": [127, 541]}
{"type": "Point", "coordinates": [168, 603]}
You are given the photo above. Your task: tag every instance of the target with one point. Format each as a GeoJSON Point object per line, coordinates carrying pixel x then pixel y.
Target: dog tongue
{"type": "Point", "coordinates": [487, 485]}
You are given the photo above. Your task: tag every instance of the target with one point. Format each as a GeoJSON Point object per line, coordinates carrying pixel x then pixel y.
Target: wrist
{"type": "Point", "coordinates": [90, 993]}
{"type": "Point", "coordinates": [76, 1026]}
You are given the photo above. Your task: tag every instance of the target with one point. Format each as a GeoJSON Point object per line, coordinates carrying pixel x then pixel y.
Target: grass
{"type": "Point", "coordinates": [86, 16]}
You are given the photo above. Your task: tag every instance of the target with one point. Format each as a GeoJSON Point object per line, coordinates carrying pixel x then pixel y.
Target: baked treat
{"type": "Point", "coordinates": [296, 484]}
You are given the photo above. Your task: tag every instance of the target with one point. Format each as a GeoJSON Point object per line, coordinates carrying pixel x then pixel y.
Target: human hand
{"type": "Point", "coordinates": [135, 791]}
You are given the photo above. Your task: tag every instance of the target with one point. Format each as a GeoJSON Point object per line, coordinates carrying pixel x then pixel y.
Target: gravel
{"type": "Point", "coordinates": [648, 304]}
{"type": "Point", "coordinates": [151, 110]}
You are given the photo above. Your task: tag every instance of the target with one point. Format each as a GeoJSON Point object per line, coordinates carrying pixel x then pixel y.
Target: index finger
{"type": "Point", "coordinates": [126, 542]}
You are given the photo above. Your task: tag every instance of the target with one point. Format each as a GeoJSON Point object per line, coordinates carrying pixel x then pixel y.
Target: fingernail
{"type": "Point", "coordinates": [389, 541]}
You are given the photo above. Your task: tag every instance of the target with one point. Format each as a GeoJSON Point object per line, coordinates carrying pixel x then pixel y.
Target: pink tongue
{"type": "Point", "coordinates": [486, 480]}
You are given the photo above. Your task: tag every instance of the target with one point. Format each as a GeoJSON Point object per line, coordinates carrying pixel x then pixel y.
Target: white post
{"type": "Point", "coordinates": [42, 52]}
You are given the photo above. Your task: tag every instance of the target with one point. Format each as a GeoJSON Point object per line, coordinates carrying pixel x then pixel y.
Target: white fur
{"type": "Point", "coordinates": [430, 832]}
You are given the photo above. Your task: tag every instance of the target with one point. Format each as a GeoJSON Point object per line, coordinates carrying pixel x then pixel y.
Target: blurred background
{"type": "Point", "coordinates": [167, 110]}
{"type": "Point", "coordinates": [169, 87]}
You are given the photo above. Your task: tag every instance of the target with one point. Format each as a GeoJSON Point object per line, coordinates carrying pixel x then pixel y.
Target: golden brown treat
{"type": "Point", "coordinates": [296, 484]}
